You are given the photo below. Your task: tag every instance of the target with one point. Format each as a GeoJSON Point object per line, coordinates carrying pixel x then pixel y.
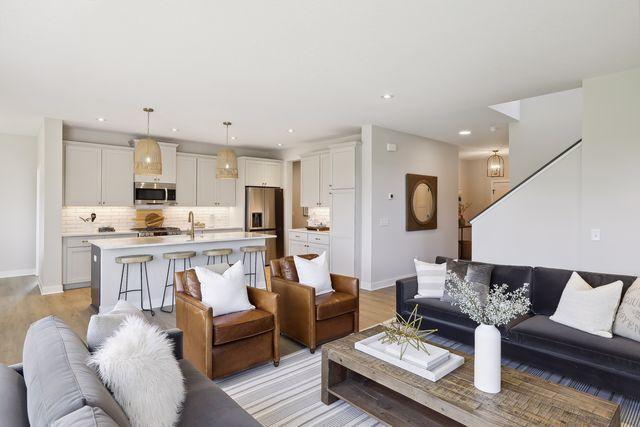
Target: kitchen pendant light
{"type": "Point", "coordinates": [495, 165]}
{"type": "Point", "coordinates": [148, 156]}
{"type": "Point", "coordinates": [227, 162]}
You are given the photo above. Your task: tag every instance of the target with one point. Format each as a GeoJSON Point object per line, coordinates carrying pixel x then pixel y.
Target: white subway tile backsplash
{"type": "Point", "coordinates": [322, 215]}
{"type": "Point", "coordinates": [123, 218]}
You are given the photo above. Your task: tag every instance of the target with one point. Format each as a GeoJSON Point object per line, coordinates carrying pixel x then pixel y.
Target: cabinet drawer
{"type": "Point", "coordinates": [298, 235]}
{"type": "Point", "coordinates": [319, 238]}
{"type": "Point", "coordinates": [78, 242]}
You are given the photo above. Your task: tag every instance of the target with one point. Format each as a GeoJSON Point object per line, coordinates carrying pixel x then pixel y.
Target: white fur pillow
{"type": "Point", "coordinates": [138, 366]}
{"type": "Point", "coordinates": [315, 273]}
{"type": "Point", "coordinates": [588, 309]}
{"type": "Point", "coordinates": [102, 326]}
{"type": "Point", "coordinates": [225, 293]}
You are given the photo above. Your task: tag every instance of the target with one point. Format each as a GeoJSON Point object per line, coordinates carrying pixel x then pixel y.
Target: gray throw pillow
{"type": "Point", "coordinates": [627, 322]}
{"type": "Point", "coordinates": [459, 268]}
{"type": "Point", "coordinates": [479, 275]}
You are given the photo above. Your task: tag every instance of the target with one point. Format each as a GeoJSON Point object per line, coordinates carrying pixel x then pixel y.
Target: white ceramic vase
{"type": "Point", "coordinates": [486, 365]}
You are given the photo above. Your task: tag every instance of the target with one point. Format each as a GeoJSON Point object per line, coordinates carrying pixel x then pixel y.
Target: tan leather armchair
{"type": "Point", "coordinates": [310, 319]}
{"type": "Point", "coordinates": [221, 345]}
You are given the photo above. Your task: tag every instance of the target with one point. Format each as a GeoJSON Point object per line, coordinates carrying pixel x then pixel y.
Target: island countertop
{"type": "Point", "coordinates": [141, 242]}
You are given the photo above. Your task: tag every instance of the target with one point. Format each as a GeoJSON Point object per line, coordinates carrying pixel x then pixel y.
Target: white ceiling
{"type": "Point", "coordinates": [318, 67]}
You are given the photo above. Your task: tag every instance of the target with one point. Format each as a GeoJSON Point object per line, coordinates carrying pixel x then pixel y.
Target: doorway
{"type": "Point", "coordinates": [498, 189]}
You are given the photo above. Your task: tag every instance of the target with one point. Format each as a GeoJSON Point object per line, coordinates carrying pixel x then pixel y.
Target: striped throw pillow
{"type": "Point", "coordinates": [431, 278]}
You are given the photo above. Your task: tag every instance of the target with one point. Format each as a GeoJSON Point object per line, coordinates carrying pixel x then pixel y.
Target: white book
{"type": "Point", "coordinates": [434, 357]}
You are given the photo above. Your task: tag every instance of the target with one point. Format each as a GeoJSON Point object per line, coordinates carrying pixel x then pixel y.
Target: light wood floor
{"type": "Point", "coordinates": [21, 304]}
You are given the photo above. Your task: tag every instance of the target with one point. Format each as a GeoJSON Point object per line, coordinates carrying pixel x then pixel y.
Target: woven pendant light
{"type": "Point", "coordinates": [226, 162]}
{"type": "Point", "coordinates": [495, 165]}
{"type": "Point", "coordinates": [148, 156]}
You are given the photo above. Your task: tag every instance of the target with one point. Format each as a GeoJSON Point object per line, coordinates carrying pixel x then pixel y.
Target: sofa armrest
{"type": "Point", "coordinates": [175, 335]}
{"type": "Point", "coordinates": [18, 368]}
{"type": "Point", "coordinates": [268, 301]}
{"type": "Point", "coordinates": [406, 289]}
{"type": "Point", "coordinates": [195, 319]}
{"type": "Point", "coordinates": [346, 284]}
{"type": "Point", "coordinates": [297, 308]}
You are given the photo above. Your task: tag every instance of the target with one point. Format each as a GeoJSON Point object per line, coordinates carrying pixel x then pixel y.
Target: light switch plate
{"type": "Point", "coordinates": [595, 234]}
{"type": "Point", "coordinates": [392, 148]}
{"type": "Point", "coordinates": [384, 222]}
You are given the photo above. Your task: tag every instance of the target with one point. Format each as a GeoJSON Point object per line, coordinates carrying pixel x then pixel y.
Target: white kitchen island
{"type": "Point", "coordinates": [106, 273]}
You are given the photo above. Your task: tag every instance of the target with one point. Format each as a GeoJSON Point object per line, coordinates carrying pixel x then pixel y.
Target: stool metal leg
{"type": "Point", "coordinates": [227, 258]}
{"type": "Point", "coordinates": [146, 273]}
{"type": "Point", "coordinates": [208, 260]}
{"type": "Point", "coordinates": [126, 285]}
{"type": "Point", "coordinates": [121, 277]}
{"type": "Point", "coordinates": [255, 270]}
{"type": "Point", "coordinates": [264, 274]}
{"type": "Point", "coordinates": [164, 291]}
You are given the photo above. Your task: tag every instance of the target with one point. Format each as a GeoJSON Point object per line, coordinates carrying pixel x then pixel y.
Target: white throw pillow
{"type": "Point", "coordinates": [627, 323]}
{"type": "Point", "coordinates": [102, 326]}
{"type": "Point", "coordinates": [138, 366]}
{"type": "Point", "coordinates": [588, 309]}
{"type": "Point", "coordinates": [431, 278]}
{"type": "Point", "coordinates": [226, 292]}
{"type": "Point", "coordinates": [315, 273]}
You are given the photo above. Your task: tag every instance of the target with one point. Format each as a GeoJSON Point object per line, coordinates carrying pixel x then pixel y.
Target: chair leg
{"type": "Point", "coordinates": [227, 258]}
{"type": "Point", "coordinates": [264, 273]}
{"type": "Point", "coordinates": [146, 273]}
{"type": "Point", "coordinates": [126, 285]}
{"type": "Point", "coordinates": [208, 260]}
{"type": "Point", "coordinates": [166, 285]}
{"type": "Point", "coordinates": [121, 277]}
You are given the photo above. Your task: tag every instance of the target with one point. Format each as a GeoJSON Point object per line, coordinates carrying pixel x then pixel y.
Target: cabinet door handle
{"type": "Point", "coordinates": [84, 241]}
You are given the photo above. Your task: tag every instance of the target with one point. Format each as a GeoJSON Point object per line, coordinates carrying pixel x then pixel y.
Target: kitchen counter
{"type": "Point", "coordinates": [95, 232]}
{"type": "Point", "coordinates": [304, 230]}
{"type": "Point", "coordinates": [142, 242]}
{"type": "Point", "coordinates": [106, 273]}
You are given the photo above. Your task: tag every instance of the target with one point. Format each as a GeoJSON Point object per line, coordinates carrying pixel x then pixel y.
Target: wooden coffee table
{"type": "Point", "coordinates": [398, 397]}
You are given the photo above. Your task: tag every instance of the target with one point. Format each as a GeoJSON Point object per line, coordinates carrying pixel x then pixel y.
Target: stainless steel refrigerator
{"type": "Point", "coordinates": [264, 213]}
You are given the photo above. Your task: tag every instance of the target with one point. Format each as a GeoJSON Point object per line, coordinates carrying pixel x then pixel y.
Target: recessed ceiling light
{"type": "Point", "coordinates": [233, 138]}
{"type": "Point", "coordinates": [464, 132]}
{"type": "Point", "coordinates": [101, 119]}
{"type": "Point", "coordinates": [387, 96]}
{"type": "Point", "coordinates": [279, 144]}
{"type": "Point", "coordinates": [174, 129]}
{"type": "Point", "coordinates": [291, 131]}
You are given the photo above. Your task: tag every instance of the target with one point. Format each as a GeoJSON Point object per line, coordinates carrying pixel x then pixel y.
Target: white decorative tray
{"type": "Point", "coordinates": [438, 369]}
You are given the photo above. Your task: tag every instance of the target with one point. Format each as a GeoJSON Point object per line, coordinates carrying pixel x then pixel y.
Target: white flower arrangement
{"type": "Point", "coordinates": [500, 308]}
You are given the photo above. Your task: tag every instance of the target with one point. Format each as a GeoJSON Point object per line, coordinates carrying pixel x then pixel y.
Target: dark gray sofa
{"type": "Point", "coordinates": [54, 386]}
{"type": "Point", "coordinates": [613, 363]}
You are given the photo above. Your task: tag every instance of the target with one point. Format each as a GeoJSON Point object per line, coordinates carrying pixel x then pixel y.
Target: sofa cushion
{"type": "Point", "coordinates": [86, 416]}
{"type": "Point", "coordinates": [548, 284]}
{"type": "Point", "coordinates": [334, 304]}
{"type": "Point", "coordinates": [514, 276]}
{"type": "Point", "coordinates": [243, 324]}
{"type": "Point", "coordinates": [206, 404]}
{"type": "Point", "coordinates": [57, 377]}
{"type": "Point", "coordinates": [13, 398]}
{"type": "Point", "coordinates": [542, 334]}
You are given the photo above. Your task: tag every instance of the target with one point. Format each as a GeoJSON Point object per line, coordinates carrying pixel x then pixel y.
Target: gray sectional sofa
{"type": "Point", "coordinates": [54, 386]}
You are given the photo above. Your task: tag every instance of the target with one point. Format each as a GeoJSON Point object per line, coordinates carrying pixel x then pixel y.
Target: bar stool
{"type": "Point", "coordinates": [173, 256]}
{"type": "Point", "coordinates": [253, 252]}
{"type": "Point", "coordinates": [126, 260]}
{"type": "Point", "coordinates": [217, 252]}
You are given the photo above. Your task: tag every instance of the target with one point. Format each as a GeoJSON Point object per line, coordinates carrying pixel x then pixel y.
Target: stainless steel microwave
{"type": "Point", "coordinates": [154, 193]}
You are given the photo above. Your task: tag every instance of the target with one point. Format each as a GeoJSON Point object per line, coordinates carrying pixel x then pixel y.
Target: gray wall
{"type": "Point", "coordinates": [548, 125]}
{"type": "Point", "coordinates": [388, 251]}
{"type": "Point", "coordinates": [18, 163]}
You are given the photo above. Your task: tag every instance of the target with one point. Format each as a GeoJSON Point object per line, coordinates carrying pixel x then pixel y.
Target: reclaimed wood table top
{"type": "Point", "coordinates": [524, 400]}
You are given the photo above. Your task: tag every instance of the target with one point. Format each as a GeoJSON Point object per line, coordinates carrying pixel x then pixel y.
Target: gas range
{"type": "Point", "coordinates": [157, 231]}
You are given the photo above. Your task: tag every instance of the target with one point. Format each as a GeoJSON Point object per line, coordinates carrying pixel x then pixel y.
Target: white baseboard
{"type": "Point", "coordinates": [47, 290]}
{"type": "Point", "coordinates": [368, 286]}
{"type": "Point", "coordinates": [17, 273]}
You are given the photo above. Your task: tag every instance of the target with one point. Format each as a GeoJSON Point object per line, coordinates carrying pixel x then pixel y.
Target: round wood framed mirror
{"type": "Point", "coordinates": [422, 200]}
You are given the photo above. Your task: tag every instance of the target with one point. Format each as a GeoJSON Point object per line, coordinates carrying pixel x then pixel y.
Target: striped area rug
{"type": "Point", "coordinates": [290, 394]}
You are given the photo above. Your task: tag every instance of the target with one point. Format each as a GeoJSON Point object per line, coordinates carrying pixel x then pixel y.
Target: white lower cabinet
{"type": "Point", "coordinates": [302, 242]}
{"type": "Point", "coordinates": [76, 258]}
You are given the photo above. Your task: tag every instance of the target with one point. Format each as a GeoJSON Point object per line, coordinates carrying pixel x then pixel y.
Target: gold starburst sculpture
{"type": "Point", "coordinates": [407, 333]}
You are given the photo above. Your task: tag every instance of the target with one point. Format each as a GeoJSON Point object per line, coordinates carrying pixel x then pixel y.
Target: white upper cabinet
{"type": "Point", "coordinates": [310, 181]}
{"type": "Point", "coordinates": [98, 175]}
{"type": "Point", "coordinates": [206, 181]}
{"type": "Point", "coordinates": [83, 177]}
{"type": "Point", "coordinates": [343, 167]}
{"type": "Point", "coordinates": [186, 172]}
{"type": "Point", "coordinates": [315, 180]}
{"type": "Point", "coordinates": [263, 173]}
{"type": "Point", "coordinates": [117, 177]}
{"type": "Point", "coordinates": [196, 183]}
{"type": "Point", "coordinates": [168, 152]}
